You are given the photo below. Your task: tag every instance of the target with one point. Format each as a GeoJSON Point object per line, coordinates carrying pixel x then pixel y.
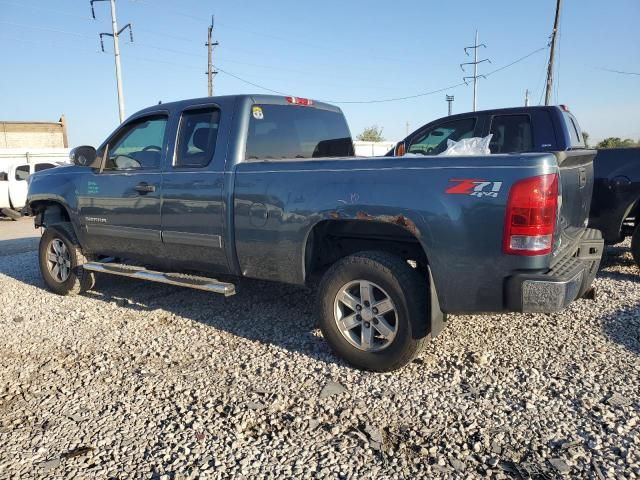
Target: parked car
{"type": "Point", "coordinates": [267, 187]}
{"type": "Point", "coordinates": [13, 187]}
{"type": "Point", "coordinates": [615, 208]}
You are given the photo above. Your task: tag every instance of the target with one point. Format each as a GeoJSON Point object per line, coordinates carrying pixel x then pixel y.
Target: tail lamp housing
{"type": "Point", "coordinates": [531, 216]}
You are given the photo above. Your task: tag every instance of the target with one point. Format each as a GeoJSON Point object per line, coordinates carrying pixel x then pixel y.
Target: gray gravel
{"type": "Point", "coordinates": [138, 380]}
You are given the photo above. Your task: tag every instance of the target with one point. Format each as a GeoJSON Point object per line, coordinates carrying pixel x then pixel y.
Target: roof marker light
{"type": "Point", "coordinates": [299, 101]}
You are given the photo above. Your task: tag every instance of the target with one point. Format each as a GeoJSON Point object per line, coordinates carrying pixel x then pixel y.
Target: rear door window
{"type": "Point", "coordinates": [434, 140]}
{"type": "Point", "coordinates": [197, 138]}
{"type": "Point", "coordinates": [288, 132]}
{"type": "Point", "coordinates": [22, 172]}
{"type": "Point", "coordinates": [511, 133]}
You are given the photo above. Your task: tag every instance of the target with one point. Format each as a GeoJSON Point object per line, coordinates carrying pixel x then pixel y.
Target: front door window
{"type": "Point", "coordinates": [433, 141]}
{"type": "Point", "coordinates": [138, 146]}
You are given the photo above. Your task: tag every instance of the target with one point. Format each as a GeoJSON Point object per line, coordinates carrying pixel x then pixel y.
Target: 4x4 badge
{"type": "Point", "coordinates": [474, 187]}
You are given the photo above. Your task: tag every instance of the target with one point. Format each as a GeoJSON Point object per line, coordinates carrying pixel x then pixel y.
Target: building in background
{"type": "Point", "coordinates": [29, 142]}
{"type": "Point", "coordinates": [372, 149]}
{"type": "Point", "coordinates": [29, 135]}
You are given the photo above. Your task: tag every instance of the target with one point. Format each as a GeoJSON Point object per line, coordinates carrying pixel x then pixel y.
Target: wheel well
{"type": "Point", "coordinates": [331, 240]}
{"type": "Point", "coordinates": [48, 212]}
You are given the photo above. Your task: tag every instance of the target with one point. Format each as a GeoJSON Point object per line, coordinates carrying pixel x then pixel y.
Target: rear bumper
{"type": "Point", "coordinates": [569, 278]}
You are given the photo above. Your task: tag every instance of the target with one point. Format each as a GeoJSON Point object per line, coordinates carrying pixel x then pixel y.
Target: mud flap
{"type": "Point", "coordinates": [437, 318]}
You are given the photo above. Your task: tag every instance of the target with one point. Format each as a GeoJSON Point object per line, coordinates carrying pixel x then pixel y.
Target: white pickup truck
{"type": "Point", "coordinates": [14, 185]}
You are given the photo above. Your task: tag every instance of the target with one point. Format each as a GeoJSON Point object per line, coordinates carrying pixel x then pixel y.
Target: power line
{"type": "Point", "coordinates": [46, 29]}
{"type": "Point", "coordinates": [409, 97]}
{"type": "Point", "coordinates": [621, 72]}
{"type": "Point", "coordinates": [515, 61]}
{"type": "Point", "coordinates": [248, 82]}
{"type": "Point", "coordinates": [445, 88]}
{"type": "Point", "coordinates": [262, 87]}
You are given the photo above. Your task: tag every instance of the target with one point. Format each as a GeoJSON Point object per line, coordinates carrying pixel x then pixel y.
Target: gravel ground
{"type": "Point", "coordinates": [139, 380]}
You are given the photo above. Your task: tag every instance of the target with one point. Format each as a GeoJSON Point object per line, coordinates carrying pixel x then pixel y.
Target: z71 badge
{"type": "Point", "coordinates": [474, 187]}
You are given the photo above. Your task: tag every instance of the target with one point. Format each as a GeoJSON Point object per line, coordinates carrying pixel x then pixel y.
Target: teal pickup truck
{"type": "Point", "coordinates": [267, 187]}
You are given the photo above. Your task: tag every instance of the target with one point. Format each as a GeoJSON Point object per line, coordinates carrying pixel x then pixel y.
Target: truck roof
{"type": "Point", "coordinates": [249, 98]}
{"type": "Point", "coordinates": [502, 111]}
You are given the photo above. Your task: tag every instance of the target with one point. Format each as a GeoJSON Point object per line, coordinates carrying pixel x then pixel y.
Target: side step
{"type": "Point", "coordinates": [180, 279]}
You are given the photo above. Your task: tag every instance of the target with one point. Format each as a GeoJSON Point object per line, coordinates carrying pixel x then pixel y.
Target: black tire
{"type": "Point", "coordinates": [79, 280]}
{"type": "Point", "coordinates": [409, 294]}
{"type": "Point", "coordinates": [12, 214]}
{"type": "Point", "coordinates": [635, 245]}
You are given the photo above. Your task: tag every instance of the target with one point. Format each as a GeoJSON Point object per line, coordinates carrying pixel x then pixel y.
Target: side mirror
{"type": "Point", "coordinates": [84, 156]}
{"type": "Point", "coordinates": [400, 150]}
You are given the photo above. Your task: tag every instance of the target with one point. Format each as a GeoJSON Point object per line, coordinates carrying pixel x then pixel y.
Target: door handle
{"type": "Point", "coordinates": [144, 187]}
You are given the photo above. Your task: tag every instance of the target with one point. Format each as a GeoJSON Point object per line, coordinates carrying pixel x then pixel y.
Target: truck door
{"type": "Point", "coordinates": [120, 205]}
{"type": "Point", "coordinates": [18, 186]}
{"type": "Point", "coordinates": [193, 192]}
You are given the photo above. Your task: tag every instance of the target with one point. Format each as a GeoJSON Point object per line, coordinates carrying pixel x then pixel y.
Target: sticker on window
{"type": "Point", "coordinates": [257, 113]}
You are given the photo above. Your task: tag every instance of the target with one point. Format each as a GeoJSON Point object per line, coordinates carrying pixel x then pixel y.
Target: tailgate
{"type": "Point", "coordinates": [576, 180]}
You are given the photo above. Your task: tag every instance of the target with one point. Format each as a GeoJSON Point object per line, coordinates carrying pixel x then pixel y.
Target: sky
{"type": "Point", "coordinates": [334, 50]}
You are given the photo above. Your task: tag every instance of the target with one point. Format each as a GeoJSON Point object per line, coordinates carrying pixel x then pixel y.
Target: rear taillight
{"type": "Point", "coordinates": [531, 216]}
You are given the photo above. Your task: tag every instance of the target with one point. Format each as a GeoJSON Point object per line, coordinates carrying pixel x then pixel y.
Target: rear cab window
{"type": "Point", "coordinates": [278, 132]}
{"type": "Point", "coordinates": [574, 130]}
{"type": "Point", "coordinates": [511, 133]}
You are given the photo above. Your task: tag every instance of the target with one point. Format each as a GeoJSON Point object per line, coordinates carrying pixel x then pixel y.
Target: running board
{"type": "Point", "coordinates": [180, 279]}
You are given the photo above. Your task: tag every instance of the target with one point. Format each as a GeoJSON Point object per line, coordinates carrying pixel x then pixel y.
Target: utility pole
{"type": "Point", "coordinates": [407, 129]}
{"type": "Point", "coordinates": [210, 71]}
{"type": "Point", "coordinates": [552, 53]}
{"type": "Point", "coordinates": [115, 33]}
{"type": "Point", "coordinates": [449, 99]}
{"type": "Point", "coordinates": [526, 97]}
{"type": "Point", "coordinates": [475, 63]}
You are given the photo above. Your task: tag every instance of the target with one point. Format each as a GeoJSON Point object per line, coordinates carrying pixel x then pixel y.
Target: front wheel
{"type": "Point", "coordinates": [374, 310]}
{"type": "Point", "coordinates": [61, 260]}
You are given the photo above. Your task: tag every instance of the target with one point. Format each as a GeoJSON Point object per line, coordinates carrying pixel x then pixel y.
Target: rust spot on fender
{"type": "Point", "coordinates": [406, 223]}
{"type": "Point", "coordinates": [399, 220]}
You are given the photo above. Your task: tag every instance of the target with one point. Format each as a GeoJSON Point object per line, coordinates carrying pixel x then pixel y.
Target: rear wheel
{"type": "Point", "coordinates": [61, 261]}
{"type": "Point", "coordinates": [635, 245]}
{"type": "Point", "coordinates": [373, 310]}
